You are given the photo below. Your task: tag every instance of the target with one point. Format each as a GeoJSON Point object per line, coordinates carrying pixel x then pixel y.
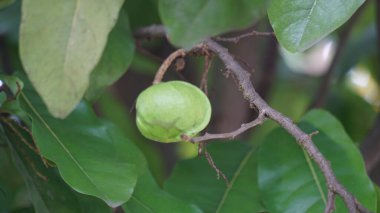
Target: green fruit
{"type": "Point", "coordinates": [166, 111]}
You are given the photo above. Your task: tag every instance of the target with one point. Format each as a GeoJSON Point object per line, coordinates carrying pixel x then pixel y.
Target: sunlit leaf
{"type": "Point", "coordinates": [60, 44]}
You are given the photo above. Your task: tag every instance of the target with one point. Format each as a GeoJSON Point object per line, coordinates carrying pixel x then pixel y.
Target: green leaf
{"type": "Point", "coordinates": [46, 192]}
{"type": "Point", "coordinates": [289, 179]}
{"type": "Point", "coordinates": [137, 15]}
{"type": "Point", "coordinates": [298, 24]}
{"type": "Point", "coordinates": [189, 22]}
{"type": "Point", "coordinates": [12, 189]}
{"type": "Point", "coordinates": [116, 58]}
{"type": "Point", "coordinates": [92, 155]}
{"type": "Point", "coordinates": [60, 44]}
{"type": "Point", "coordinates": [195, 181]}
{"type": "Point", "coordinates": [148, 197]}
{"type": "Point", "coordinates": [111, 108]}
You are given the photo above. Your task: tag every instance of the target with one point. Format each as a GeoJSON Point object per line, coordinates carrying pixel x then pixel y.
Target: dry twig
{"type": "Point", "coordinates": [166, 64]}
{"type": "Point", "coordinates": [230, 135]}
{"type": "Point", "coordinates": [303, 139]}
{"type": "Point", "coordinates": [236, 39]}
{"type": "Point", "coordinates": [330, 205]}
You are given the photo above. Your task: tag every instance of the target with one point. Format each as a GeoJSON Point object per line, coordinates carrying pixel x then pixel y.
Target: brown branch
{"type": "Point", "coordinates": [303, 139]}
{"type": "Point", "coordinates": [236, 39]}
{"type": "Point", "coordinates": [213, 165]}
{"type": "Point", "coordinates": [153, 31]}
{"type": "Point", "coordinates": [166, 64]}
{"type": "Point", "coordinates": [231, 135]}
{"type": "Point", "coordinates": [330, 205]}
{"type": "Point", "coordinates": [207, 65]}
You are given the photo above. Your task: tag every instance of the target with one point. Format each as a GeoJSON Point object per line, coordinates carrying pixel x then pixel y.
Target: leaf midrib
{"type": "Point", "coordinates": [235, 177]}
{"type": "Point", "coordinates": [142, 204]}
{"type": "Point", "coordinates": [194, 21]}
{"type": "Point", "coordinates": [307, 21]}
{"type": "Point", "coordinates": [61, 144]}
{"type": "Point", "coordinates": [70, 35]}
{"type": "Point", "coordinates": [315, 176]}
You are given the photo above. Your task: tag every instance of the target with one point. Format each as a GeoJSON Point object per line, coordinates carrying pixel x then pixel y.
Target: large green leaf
{"type": "Point", "coordinates": [291, 182]}
{"type": "Point", "coordinates": [195, 181]}
{"type": "Point", "coordinates": [189, 22]}
{"type": "Point", "coordinates": [60, 44]}
{"type": "Point", "coordinates": [12, 188]}
{"type": "Point", "coordinates": [116, 58]}
{"type": "Point", "coordinates": [149, 198]}
{"type": "Point", "coordinates": [111, 108]}
{"type": "Point", "coordinates": [92, 155]}
{"type": "Point", "coordinates": [47, 192]}
{"type": "Point", "coordinates": [298, 24]}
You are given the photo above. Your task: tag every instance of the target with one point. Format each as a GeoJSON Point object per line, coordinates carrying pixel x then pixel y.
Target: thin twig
{"type": "Point", "coordinates": [231, 135]}
{"type": "Point", "coordinates": [207, 65]}
{"type": "Point", "coordinates": [330, 205]}
{"type": "Point", "coordinates": [10, 125]}
{"type": "Point", "coordinates": [166, 64]}
{"type": "Point", "coordinates": [153, 31]}
{"type": "Point", "coordinates": [236, 39]}
{"type": "Point", "coordinates": [302, 138]}
{"type": "Point", "coordinates": [213, 165]}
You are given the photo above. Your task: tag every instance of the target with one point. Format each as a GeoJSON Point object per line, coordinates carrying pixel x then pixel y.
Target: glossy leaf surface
{"type": "Point", "coordinates": [290, 181]}
{"type": "Point", "coordinates": [148, 197]}
{"type": "Point", "coordinates": [195, 181]}
{"type": "Point", "coordinates": [298, 24]}
{"type": "Point", "coordinates": [92, 155]}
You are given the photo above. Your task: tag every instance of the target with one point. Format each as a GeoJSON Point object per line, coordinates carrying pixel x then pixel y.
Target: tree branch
{"type": "Point", "coordinates": [302, 138]}
{"type": "Point", "coordinates": [166, 64]}
{"type": "Point", "coordinates": [236, 39]}
{"type": "Point", "coordinates": [330, 205]}
{"type": "Point", "coordinates": [231, 135]}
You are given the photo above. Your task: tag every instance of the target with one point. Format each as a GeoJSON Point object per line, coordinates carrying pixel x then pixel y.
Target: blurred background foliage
{"type": "Point", "coordinates": [287, 81]}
